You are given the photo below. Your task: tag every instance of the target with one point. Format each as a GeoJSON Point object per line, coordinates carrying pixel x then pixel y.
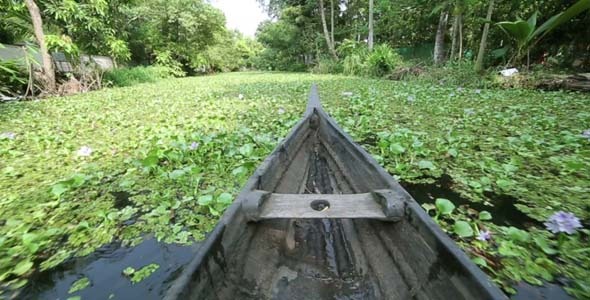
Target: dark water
{"type": "Point", "coordinates": [104, 269]}
{"type": "Point", "coordinates": [549, 291]}
{"type": "Point", "coordinates": [503, 212]}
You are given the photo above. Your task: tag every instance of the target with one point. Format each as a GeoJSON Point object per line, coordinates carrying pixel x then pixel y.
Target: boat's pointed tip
{"type": "Point", "coordinates": [314, 100]}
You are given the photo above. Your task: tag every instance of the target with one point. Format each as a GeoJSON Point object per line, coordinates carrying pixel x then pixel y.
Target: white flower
{"type": "Point", "coordinates": [84, 151]}
{"type": "Point", "coordinates": [240, 96]}
{"type": "Point", "coordinates": [347, 94]}
{"type": "Point", "coordinates": [281, 111]}
{"type": "Point", "coordinates": [8, 135]}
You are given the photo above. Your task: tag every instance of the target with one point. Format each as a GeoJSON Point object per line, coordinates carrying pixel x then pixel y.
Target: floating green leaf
{"type": "Point", "coordinates": [426, 164]}
{"type": "Point", "coordinates": [462, 229]}
{"type": "Point", "coordinates": [79, 284]}
{"type": "Point", "coordinates": [225, 198]}
{"type": "Point", "coordinates": [444, 206]}
{"type": "Point", "coordinates": [22, 267]}
{"type": "Point", "coordinates": [205, 200]}
{"type": "Point", "coordinates": [141, 274]}
{"type": "Point", "coordinates": [485, 215]}
{"type": "Point", "coordinates": [518, 235]}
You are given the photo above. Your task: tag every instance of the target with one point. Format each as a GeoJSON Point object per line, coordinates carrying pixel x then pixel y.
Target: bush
{"type": "Point", "coordinates": [354, 64]}
{"type": "Point", "coordinates": [135, 75]}
{"type": "Point", "coordinates": [382, 60]}
{"type": "Point", "coordinates": [454, 73]}
{"type": "Point", "coordinates": [13, 78]}
{"type": "Point", "coordinates": [327, 66]}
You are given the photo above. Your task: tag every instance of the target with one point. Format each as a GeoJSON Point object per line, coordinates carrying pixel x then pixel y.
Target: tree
{"type": "Point", "coordinates": [484, 37]}
{"type": "Point", "coordinates": [439, 42]}
{"type": "Point", "coordinates": [370, 39]}
{"type": "Point", "coordinates": [329, 42]}
{"type": "Point", "coordinates": [184, 28]}
{"type": "Point", "coordinates": [48, 74]}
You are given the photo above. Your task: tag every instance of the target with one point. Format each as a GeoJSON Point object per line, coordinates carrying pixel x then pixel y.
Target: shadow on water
{"type": "Point", "coordinates": [549, 291]}
{"type": "Point", "coordinates": [503, 212]}
{"type": "Point", "coordinates": [104, 268]}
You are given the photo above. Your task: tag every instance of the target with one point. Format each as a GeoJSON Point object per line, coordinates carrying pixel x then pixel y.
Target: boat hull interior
{"type": "Point", "coordinates": [329, 258]}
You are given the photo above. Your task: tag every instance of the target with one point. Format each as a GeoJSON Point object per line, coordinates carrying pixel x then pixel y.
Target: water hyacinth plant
{"type": "Point", "coordinates": [484, 235]}
{"type": "Point", "coordinates": [193, 146]}
{"type": "Point", "coordinates": [563, 222]}
{"type": "Point", "coordinates": [84, 151]}
{"type": "Point", "coordinates": [8, 135]}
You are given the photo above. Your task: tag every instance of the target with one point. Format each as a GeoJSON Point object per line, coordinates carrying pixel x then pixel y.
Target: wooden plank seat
{"type": "Point", "coordinates": [380, 204]}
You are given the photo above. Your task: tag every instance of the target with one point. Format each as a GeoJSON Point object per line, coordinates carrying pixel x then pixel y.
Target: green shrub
{"type": "Point", "coordinates": [327, 66]}
{"type": "Point", "coordinates": [459, 73]}
{"type": "Point", "coordinates": [354, 64]}
{"type": "Point", "coordinates": [383, 60]}
{"type": "Point", "coordinates": [135, 75]}
{"type": "Point", "coordinates": [165, 59]}
{"type": "Point", "coordinates": [13, 78]}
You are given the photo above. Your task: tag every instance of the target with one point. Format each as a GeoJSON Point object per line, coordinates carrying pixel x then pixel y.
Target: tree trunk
{"type": "Point", "coordinates": [439, 42]}
{"type": "Point", "coordinates": [48, 72]}
{"type": "Point", "coordinates": [326, 33]}
{"type": "Point", "coordinates": [370, 38]}
{"type": "Point", "coordinates": [332, 21]}
{"type": "Point", "coordinates": [484, 37]}
{"type": "Point", "coordinates": [454, 36]}
{"type": "Point", "coordinates": [460, 36]}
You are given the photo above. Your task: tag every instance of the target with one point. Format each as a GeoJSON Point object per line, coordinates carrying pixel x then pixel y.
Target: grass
{"type": "Point", "coordinates": [182, 148]}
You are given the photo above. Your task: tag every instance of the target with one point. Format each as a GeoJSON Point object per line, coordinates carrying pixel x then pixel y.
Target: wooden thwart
{"type": "Point", "coordinates": [381, 205]}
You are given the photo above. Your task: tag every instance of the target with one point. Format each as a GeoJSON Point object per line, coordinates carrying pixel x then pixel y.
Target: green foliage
{"type": "Point", "coordinates": [165, 59]}
{"type": "Point", "coordinates": [382, 60]}
{"type": "Point", "coordinates": [182, 28]}
{"type": "Point", "coordinates": [327, 65]}
{"type": "Point", "coordinates": [232, 53]}
{"type": "Point", "coordinates": [79, 284]}
{"type": "Point", "coordinates": [526, 33]}
{"type": "Point", "coordinates": [92, 26]}
{"type": "Point", "coordinates": [135, 75]}
{"type": "Point", "coordinates": [13, 78]}
{"type": "Point", "coordinates": [61, 43]}
{"type": "Point", "coordinates": [459, 73]}
{"type": "Point", "coordinates": [137, 276]}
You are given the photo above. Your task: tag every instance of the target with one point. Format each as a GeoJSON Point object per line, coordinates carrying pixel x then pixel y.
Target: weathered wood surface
{"type": "Point", "coordinates": [577, 82]}
{"type": "Point", "coordinates": [287, 206]}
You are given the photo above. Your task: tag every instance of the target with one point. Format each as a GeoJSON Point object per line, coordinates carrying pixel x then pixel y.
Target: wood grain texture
{"type": "Point", "coordinates": [345, 206]}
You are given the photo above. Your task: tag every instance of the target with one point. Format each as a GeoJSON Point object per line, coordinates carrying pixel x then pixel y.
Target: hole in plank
{"type": "Point", "coordinates": [320, 205]}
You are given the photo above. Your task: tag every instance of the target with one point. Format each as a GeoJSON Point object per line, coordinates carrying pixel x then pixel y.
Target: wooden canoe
{"type": "Point", "coordinates": [320, 219]}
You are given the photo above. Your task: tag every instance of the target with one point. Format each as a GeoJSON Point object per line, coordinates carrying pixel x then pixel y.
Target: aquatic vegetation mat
{"type": "Point", "coordinates": [167, 158]}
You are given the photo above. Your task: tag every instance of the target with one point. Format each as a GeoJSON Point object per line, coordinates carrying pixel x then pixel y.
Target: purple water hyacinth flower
{"type": "Point", "coordinates": [281, 111]}
{"type": "Point", "coordinates": [84, 151]}
{"type": "Point", "coordinates": [240, 96]}
{"type": "Point", "coordinates": [411, 98]}
{"type": "Point", "coordinates": [460, 89]}
{"type": "Point", "coordinates": [484, 235]}
{"type": "Point", "coordinates": [452, 95]}
{"type": "Point", "coordinates": [586, 134]}
{"type": "Point", "coordinates": [478, 91]}
{"type": "Point", "coordinates": [562, 221]}
{"type": "Point", "coordinates": [8, 135]}
{"type": "Point", "coordinates": [193, 146]}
